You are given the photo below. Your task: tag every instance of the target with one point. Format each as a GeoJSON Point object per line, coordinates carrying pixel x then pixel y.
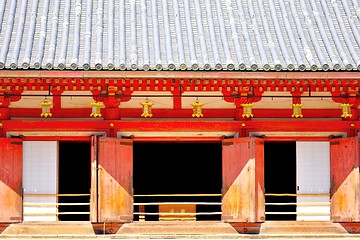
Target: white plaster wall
{"type": "Point", "coordinates": [40, 174]}
{"type": "Point", "coordinates": [313, 177]}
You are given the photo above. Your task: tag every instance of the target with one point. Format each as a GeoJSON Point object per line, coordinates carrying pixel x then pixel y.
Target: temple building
{"type": "Point", "coordinates": [235, 111]}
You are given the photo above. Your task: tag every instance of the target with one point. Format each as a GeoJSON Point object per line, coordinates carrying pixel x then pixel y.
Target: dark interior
{"type": "Point", "coordinates": [74, 178]}
{"type": "Point", "coordinates": [280, 177]}
{"type": "Point", "coordinates": [178, 168]}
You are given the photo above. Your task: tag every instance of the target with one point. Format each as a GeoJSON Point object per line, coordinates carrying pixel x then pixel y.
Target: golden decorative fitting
{"type": "Point", "coordinates": [111, 124]}
{"type": "Point", "coordinates": [45, 108]}
{"type": "Point", "coordinates": [352, 124]}
{"type": "Point", "coordinates": [297, 110]}
{"type": "Point", "coordinates": [95, 110]}
{"type": "Point", "coordinates": [1, 124]}
{"type": "Point", "coordinates": [197, 109]}
{"type": "Point", "coordinates": [243, 124]}
{"type": "Point", "coordinates": [247, 110]}
{"type": "Point", "coordinates": [346, 110]}
{"type": "Point", "coordinates": [146, 108]}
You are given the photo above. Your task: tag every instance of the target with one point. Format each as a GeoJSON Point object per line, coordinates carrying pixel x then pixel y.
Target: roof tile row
{"type": "Point", "coordinates": [142, 35]}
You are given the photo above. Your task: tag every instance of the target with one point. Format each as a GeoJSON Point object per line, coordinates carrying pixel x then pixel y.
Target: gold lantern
{"type": "Point", "coordinates": [247, 110]}
{"type": "Point", "coordinates": [297, 110]}
{"type": "Point", "coordinates": [95, 109]}
{"type": "Point", "coordinates": [146, 108]}
{"type": "Point", "coordinates": [346, 110]}
{"type": "Point", "coordinates": [45, 108]}
{"type": "Point", "coordinates": [197, 109]}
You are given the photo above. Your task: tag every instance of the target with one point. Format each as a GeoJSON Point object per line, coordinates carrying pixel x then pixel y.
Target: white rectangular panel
{"type": "Point", "coordinates": [313, 178]}
{"type": "Point", "coordinates": [40, 174]}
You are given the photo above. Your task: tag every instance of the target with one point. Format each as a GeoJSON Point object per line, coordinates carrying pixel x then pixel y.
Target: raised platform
{"type": "Point", "coordinates": [175, 229]}
{"type": "Point", "coordinates": [293, 227]}
{"type": "Point", "coordinates": [49, 228]}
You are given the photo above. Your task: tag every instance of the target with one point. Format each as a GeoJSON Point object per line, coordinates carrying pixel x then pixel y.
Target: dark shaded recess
{"type": "Point", "coordinates": [280, 177]}
{"type": "Point", "coordinates": [175, 168]}
{"type": "Point", "coordinates": [74, 178]}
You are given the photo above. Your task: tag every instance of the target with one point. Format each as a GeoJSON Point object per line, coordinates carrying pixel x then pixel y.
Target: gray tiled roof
{"type": "Point", "coordinates": [317, 35]}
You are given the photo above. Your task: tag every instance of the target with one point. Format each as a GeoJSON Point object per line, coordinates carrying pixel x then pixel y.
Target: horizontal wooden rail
{"type": "Point", "coordinates": [298, 213]}
{"type": "Point", "coordinates": [297, 195]}
{"type": "Point", "coordinates": [177, 203]}
{"type": "Point", "coordinates": [54, 204]}
{"type": "Point", "coordinates": [178, 195]}
{"type": "Point", "coordinates": [52, 214]}
{"type": "Point", "coordinates": [300, 204]}
{"type": "Point", "coordinates": [54, 195]}
{"type": "Point", "coordinates": [178, 213]}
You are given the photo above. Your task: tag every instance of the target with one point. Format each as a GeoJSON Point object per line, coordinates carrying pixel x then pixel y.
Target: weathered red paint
{"type": "Point", "coordinates": [258, 146]}
{"type": "Point", "coordinates": [345, 180]}
{"type": "Point", "coordinates": [10, 180]}
{"type": "Point", "coordinates": [243, 181]}
{"type": "Point", "coordinates": [94, 180]}
{"type": "Point", "coordinates": [115, 187]}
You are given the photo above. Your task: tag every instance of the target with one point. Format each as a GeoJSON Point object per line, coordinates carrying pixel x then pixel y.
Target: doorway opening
{"type": "Point", "coordinates": [74, 181]}
{"type": "Point", "coordinates": [280, 178]}
{"type": "Point", "coordinates": [178, 173]}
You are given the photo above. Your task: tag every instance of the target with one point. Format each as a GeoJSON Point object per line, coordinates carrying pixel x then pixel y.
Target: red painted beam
{"type": "Point", "coordinates": [195, 125]}
{"type": "Point", "coordinates": [178, 113]}
{"type": "Point", "coordinates": [178, 139]}
{"type": "Point", "coordinates": [299, 125]}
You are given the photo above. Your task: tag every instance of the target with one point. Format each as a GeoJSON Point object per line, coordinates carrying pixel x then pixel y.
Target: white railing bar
{"type": "Point", "coordinates": [178, 203]}
{"type": "Point", "coordinates": [50, 213]}
{"type": "Point", "coordinates": [300, 204]}
{"type": "Point", "coordinates": [54, 204]}
{"type": "Point", "coordinates": [297, 195]}
{"type": "Point", "coordinates": [177, 213]}
{"type": "Point", "coordinates": [298, 213]}
{"type": "Point", "coordinates": [178, 195]}
{"type": "Point", "coordinates": [54, 195]}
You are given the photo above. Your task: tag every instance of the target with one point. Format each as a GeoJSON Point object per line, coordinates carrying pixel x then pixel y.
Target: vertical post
{"type": "Point", "coordinates": [243, 181]}
{"type": "Point", "coordinates": [115, 186]}
{"type": "Point", "coordinates": [10, 180]}
{"type": "Point", "coordinates": [94, 180]}
{"type": "Point", "coordinates": [345, 177]}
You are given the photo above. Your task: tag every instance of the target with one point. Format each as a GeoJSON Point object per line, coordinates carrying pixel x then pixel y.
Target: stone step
{"type": "Point", "coordinates": [287, 227]}
{"type": "Point", "coordinates": [49, 228]}
{"type": "Point", "coordinates": [177, 227]}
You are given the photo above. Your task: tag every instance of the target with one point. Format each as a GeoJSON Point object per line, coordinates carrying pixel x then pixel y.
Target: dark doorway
{"type": "Point", "coordinates": [178, 168]}
{"type": "Point", "coordinates": [74, 178]}
{"type": "Point", "coordinates": [280, 178]}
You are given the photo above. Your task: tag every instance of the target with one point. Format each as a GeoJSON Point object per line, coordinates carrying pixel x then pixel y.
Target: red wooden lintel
{"type": "Point", "coordinates": [294, 126]}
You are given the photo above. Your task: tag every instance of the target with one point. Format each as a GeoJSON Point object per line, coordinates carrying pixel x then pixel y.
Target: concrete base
{"type": "Point", "coordinates": [177, 227]}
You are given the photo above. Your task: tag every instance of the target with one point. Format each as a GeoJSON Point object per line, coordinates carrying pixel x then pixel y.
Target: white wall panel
{"type": "Point", "coordinates": [40, 174]}
{"type": "Point", "coordinates": [313, 177]}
